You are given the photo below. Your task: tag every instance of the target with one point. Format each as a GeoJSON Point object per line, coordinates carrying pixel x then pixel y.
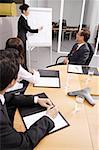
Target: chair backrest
{"type": "Point", "coordinates": [91, 53]}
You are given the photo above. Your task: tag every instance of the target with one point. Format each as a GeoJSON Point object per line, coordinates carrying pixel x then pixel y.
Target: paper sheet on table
{"type": "Point", "coordinates": [48, 82]}
{"type": "Point", "coordinates": [17, 86]}
{"type": "Point", "coordinates": [59, 121]}
{"type": "Point", "coordinates": [75, 69]}
{"type": "Point", "coordinates": [98, 69]}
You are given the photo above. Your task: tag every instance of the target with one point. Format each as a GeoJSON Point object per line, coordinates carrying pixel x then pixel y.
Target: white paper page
{"type": "Point", "coordinates": [98, 69]}
{"type": "Point", "coordinates": [31, 119]}
{"type": "Point", "coordinates": [17, 86]}
{"type": "Point", "coordinates": [75, 68]}
{"type": "Point", "coordinates": [48, 82]}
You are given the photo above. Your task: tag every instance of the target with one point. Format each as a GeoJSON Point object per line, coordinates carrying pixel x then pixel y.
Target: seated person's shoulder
{"type": "Point", "coordinates": [86, 47]}
{"type": "Point", "coordinates": [90, 46]}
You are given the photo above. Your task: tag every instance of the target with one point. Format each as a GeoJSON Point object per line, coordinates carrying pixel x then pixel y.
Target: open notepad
{"type": "Point", "coordinates": [80, 69]}
{"type": "Point", "coordinates": [17, 86]}
{"type": "Point", "coordinates": [31, 114]}
{"type": "Point", "coordinates": [59, 121]}
{"type": "Point", "coordinates": [75, 69]}
{"type": "Point", "coordinates": [48, 78]}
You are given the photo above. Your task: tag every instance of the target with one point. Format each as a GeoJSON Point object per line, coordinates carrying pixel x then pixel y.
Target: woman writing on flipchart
{"type": "Point", "coordinates": [23, 28]}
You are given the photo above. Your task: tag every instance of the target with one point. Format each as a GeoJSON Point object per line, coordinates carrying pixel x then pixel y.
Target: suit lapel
{"type": "Point", "coordinates": [77, 48]}
{"type": "Point", "coordinates": [74, 48]}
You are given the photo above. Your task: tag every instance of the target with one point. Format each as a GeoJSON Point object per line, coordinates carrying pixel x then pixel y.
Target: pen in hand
{"type": "Point", "coordinates": [52, 106]}
{"type": "Point", "coordinates": [45, 102]}
{"type": "Point", "coordinates": [52, 111]}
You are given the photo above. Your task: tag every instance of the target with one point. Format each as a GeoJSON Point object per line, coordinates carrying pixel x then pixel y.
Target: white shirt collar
{"type": "Point", "coordinates": [79, 45]}
{"type": "Point", "coordinates": [24, 16]}
{"type": "Point", "coordinates": [2, 99]}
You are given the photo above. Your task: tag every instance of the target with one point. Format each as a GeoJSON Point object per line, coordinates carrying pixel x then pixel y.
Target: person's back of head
{"type": "Point", "coordinates": [17, 44]}
{"type": "Point", "coordinates": [8, 72]}
{"type": "Point", "coordinates": [24, 7]}
{"type": "Point", "coordinates": [12, 54]}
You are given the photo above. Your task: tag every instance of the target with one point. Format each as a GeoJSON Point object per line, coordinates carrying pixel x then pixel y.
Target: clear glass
{"type": "Point", "coordinates": [89, 77]}
{"type": "Point", "coordinates": [90, 72]}
{"type": "Point", "coordinates": [79, 100]}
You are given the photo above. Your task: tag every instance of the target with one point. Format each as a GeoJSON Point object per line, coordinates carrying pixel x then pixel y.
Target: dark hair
{"type": "Point", "coordinates": [12, 54]}
{"type": "Point", "coordinates": [17, 44]}
{"type": "Point", "coordinates": [86, 33]}
{"type": "Point", "coordinates": [83, 26]}
{"type": "Point", "coordinates": [8, 72]}
{"type": "Point", "coordinates": [23, 7]}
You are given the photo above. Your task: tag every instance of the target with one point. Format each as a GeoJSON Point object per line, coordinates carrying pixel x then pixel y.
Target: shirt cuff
{"type": "Point", "coordinates": [36, 98]}
{"type": "Point", "coordinates": [49, 117]}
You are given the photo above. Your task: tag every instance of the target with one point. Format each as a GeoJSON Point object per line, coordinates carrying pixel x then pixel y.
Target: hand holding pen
{"type": "Point", "coordinates": [52, 112]}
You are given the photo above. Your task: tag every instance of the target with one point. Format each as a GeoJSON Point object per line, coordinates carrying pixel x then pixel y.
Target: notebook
{"type": "Point", "coordinates": [31, 114]}
{"type": "Point", "coordinates": [17, 86]}
{"type": "Point", "coordinates": [48, 78]}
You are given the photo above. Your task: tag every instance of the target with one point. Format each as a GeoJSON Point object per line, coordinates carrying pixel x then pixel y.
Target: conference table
{"type": "Point", "coordinates": [83, 132]}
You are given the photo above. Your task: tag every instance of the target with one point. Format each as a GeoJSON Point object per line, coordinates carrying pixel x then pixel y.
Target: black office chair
{"type": "Point", "coordinates": [91, 53]}
{"type": "Point", "coordinates": [91, 48]}
{"type": "Point", "coordinates": [60, 59]}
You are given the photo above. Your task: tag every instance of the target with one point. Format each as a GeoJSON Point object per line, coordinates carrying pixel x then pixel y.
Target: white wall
{"type": "Point", "coordinates": [33, 3]}
{"type": "Point", "coordinates": [91, 17]}
{"type": "Point", "coordinates": [1, 34]}
{"type": "Point", "coordinates": [55, 5]}
{"type": "Point", "coordinates": [36, 3]}
{"type": "Point", "coordinates": [42, 3]}
{"type": "Point", "coordinates": [18, 10]}
{"type": "Point", "coordinates": [72, 12]}
{"type": "Point", "coordinates": [72, 9]}
{"type": "Point", "coordinates": [8, 28]}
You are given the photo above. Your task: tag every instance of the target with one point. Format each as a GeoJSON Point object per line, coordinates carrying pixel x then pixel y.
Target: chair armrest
{"type": "Point", "coordinates": [59, 58]}
{"type": "Point", "coordinates": [56, 62]}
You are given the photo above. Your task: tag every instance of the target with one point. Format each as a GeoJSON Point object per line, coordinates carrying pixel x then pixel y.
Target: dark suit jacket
{"type": "Point", "coordinates": [23, 28]}
{"type": "Point", "coordinates": [11, 139]}
{"type": "Point", "coordinates": [80, 56]}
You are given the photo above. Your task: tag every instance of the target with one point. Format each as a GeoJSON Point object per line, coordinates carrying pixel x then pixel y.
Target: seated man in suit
{"type": "Point", "coordinates": [80, 51]}
{"type": "Point", "coordinates": [10, 139]}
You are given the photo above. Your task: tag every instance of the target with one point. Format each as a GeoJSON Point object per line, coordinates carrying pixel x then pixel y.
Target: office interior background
{"type": "Point", "coordinates": [65, 14]}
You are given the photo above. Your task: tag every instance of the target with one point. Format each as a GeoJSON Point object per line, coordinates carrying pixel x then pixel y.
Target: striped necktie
{"type": "Point", "coordinates": [75, 48]}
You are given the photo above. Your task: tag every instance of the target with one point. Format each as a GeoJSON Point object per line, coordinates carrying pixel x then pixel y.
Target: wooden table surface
{"type": "Point", "coordinates": [83, 132]}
